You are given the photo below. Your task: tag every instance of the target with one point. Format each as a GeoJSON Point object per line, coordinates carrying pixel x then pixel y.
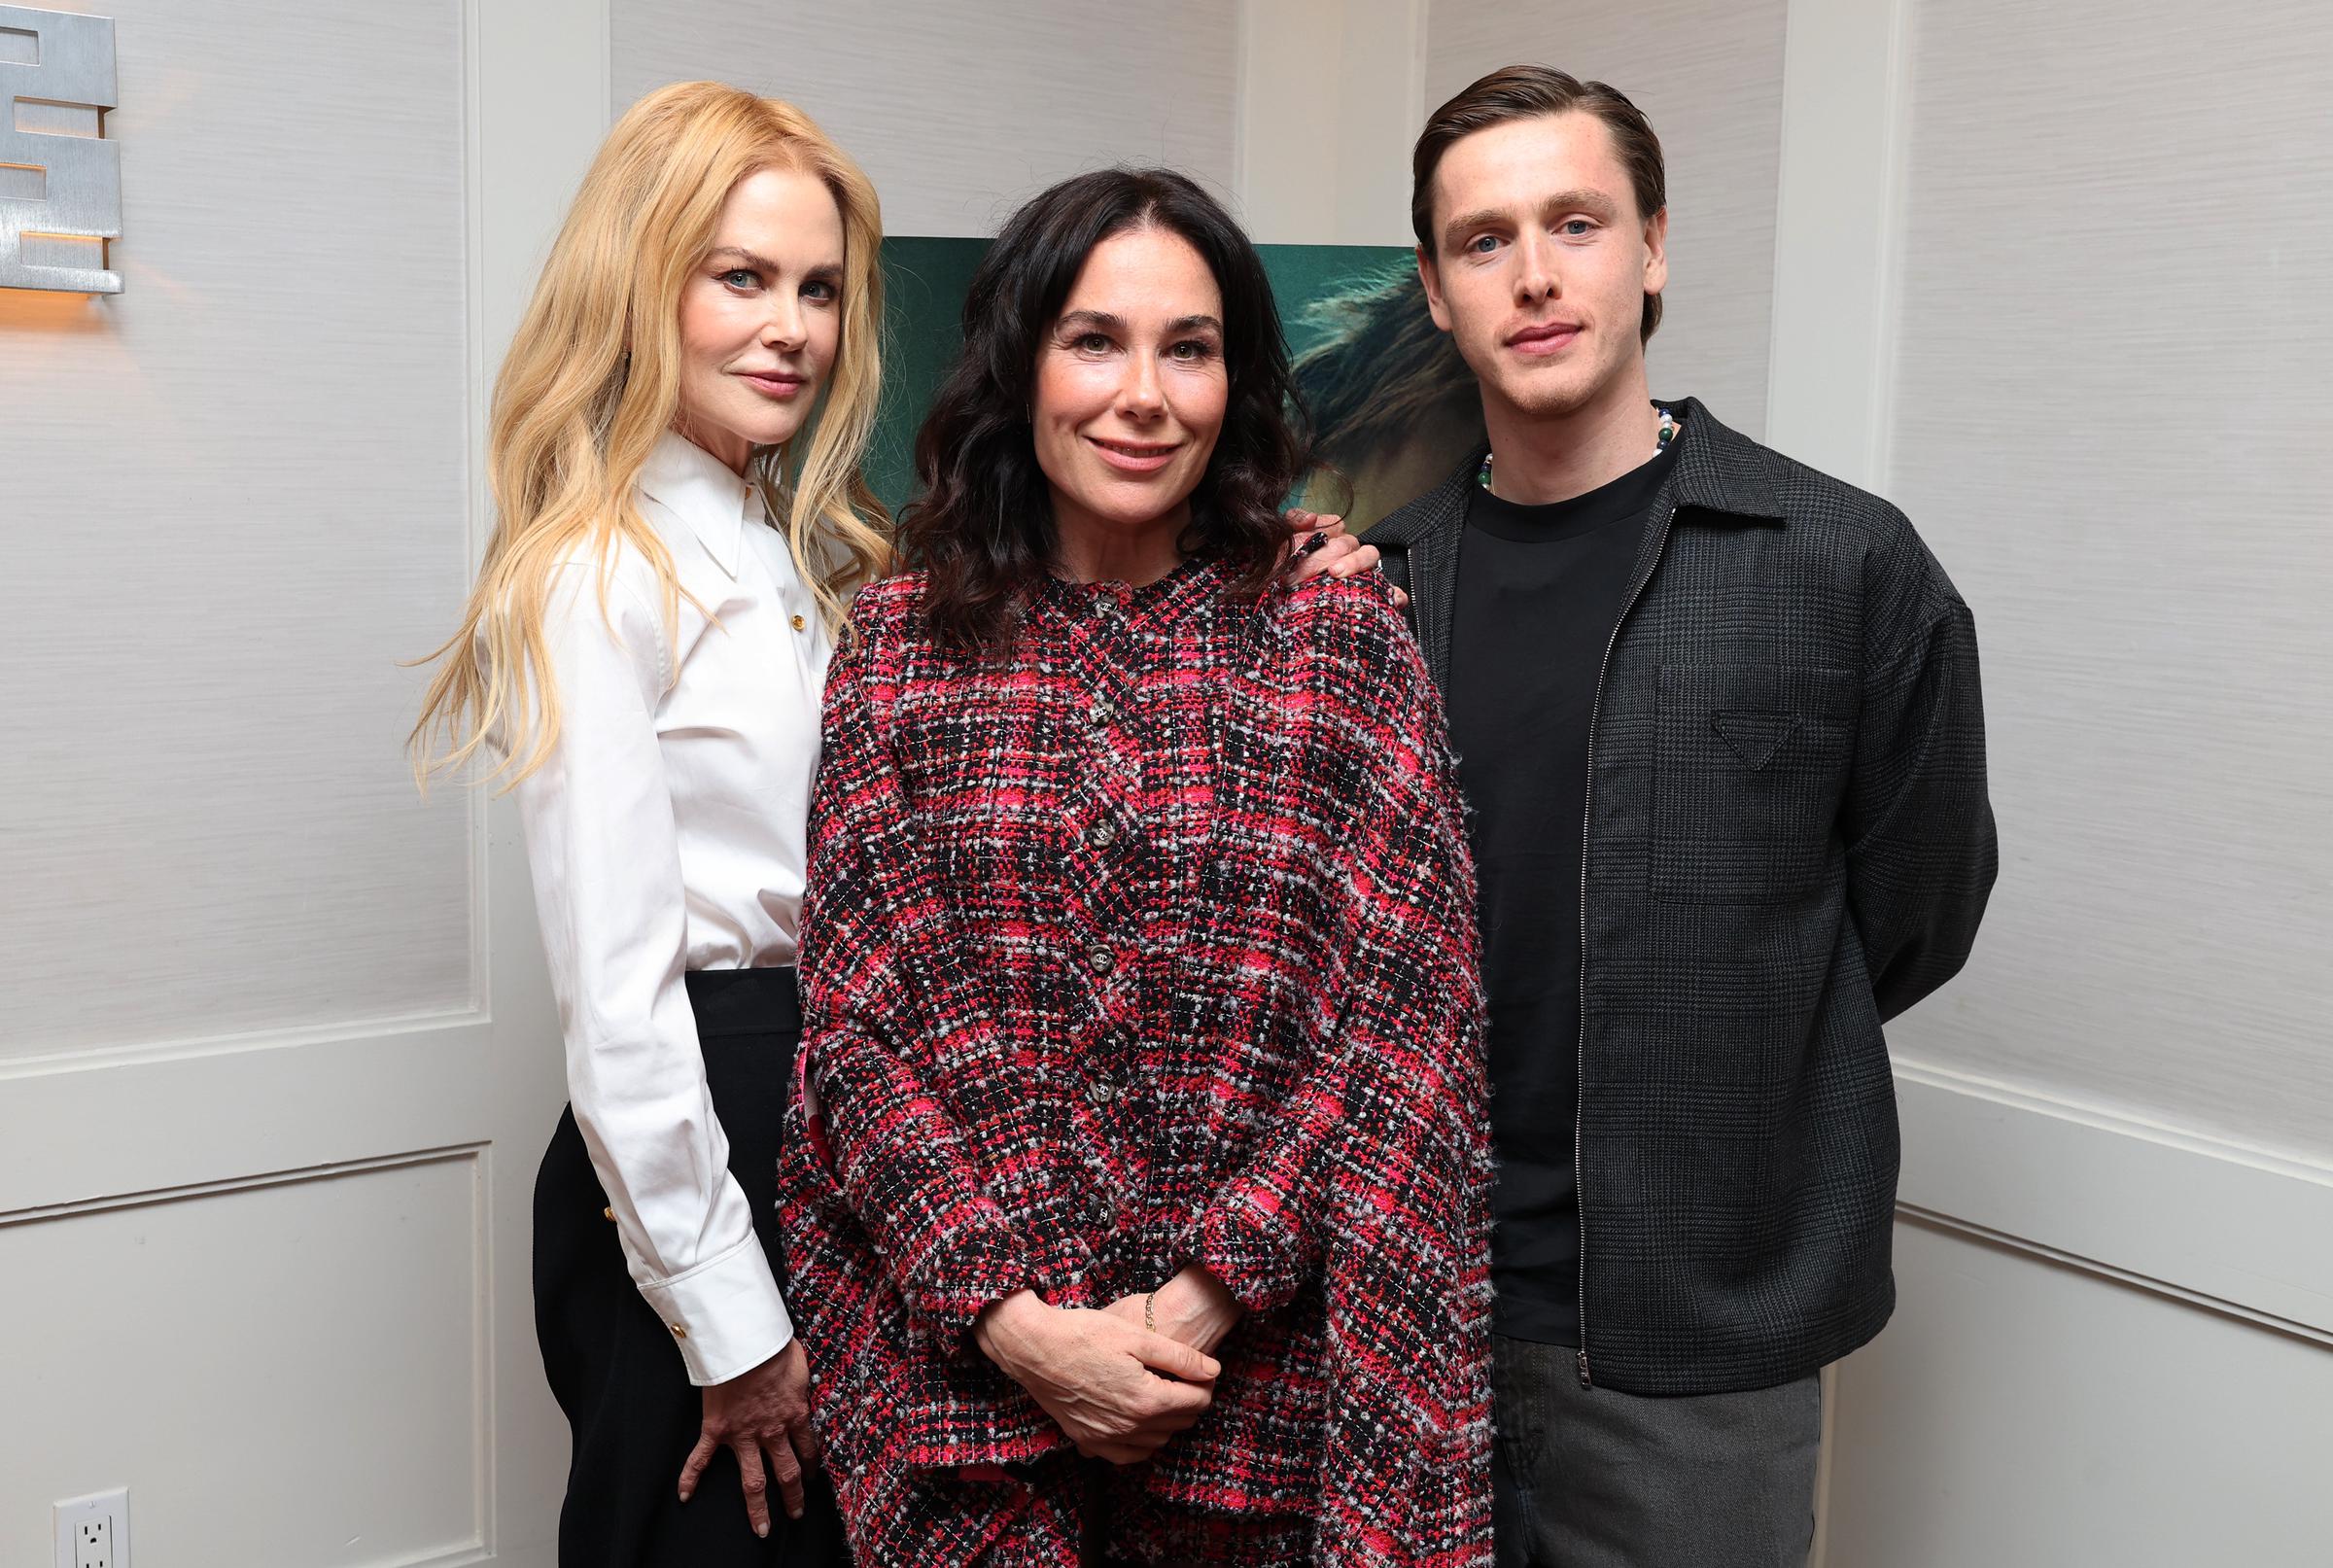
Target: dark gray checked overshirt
{"type": "Point", "coordinates": [1788, 842]}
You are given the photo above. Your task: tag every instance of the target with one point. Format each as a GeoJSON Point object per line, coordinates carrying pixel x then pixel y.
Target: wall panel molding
{"type": "Point", "coordinates": [286, 1370]}
{"type": "Point", "coordinates": [1837, 214]}
{"type": "Point", "coordinates": [2106, 1323]}
{"type": "Point", "coordinates": [2025, 1413]}
{"type": "Point", "coordinates": [252, 1182]}
{"type": "Point", "coordinates": [2213, 1222]}
{"type": "Point", "coordinates": [539, 106]}
{"type": "Point", "coordinates": [47, 1063]}
{"type": "Point", "coordinates": [100, 1131]}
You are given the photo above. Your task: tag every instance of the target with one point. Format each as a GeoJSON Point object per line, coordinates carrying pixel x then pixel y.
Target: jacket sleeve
{"type": "Point", "coordinates": [1921, 853]}
{"type": "Point", "coordinates": [875, 948]}
{"type": "Point", "coordinates": [1384, 1133]}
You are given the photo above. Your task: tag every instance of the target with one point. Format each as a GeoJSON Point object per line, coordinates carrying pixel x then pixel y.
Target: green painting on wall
{"type": "Point", "coordinates": [1394, 407]}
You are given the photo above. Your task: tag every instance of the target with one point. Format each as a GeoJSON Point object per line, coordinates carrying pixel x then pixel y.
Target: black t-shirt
{"type": "Point", "coordinates": [1539, 592]}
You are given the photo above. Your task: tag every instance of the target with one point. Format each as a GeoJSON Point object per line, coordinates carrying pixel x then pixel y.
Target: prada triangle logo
{"type": "Point", "coordinates": [1755, 737]}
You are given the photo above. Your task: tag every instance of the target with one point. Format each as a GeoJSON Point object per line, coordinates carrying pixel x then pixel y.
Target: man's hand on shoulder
{"type": "Point", "coordinates": [1318, 543]}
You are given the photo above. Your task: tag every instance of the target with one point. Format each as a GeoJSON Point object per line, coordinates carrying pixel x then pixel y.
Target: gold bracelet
{"type": "Point", "coordinates": [1149, 1323]}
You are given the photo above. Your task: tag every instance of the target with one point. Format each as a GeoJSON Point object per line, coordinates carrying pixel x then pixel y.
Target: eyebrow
{"type": "Point", "coordinates": [824, 271]}
{"type": "Point", "coordinates": [1104, 320]}
{"type": "Point", "coordinates": [1595, 203]}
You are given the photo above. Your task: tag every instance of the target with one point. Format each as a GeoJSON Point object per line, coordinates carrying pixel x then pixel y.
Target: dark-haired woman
{"type": "Point", "coordinates": [1139, 1211]}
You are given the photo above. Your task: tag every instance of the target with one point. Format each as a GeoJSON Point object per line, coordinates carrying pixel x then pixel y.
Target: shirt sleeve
{"type": "Point", "coordinates": [1380, 1149]}
{"type": "Point", "coordinates": [605, 853]}
{"type": "Point", "coordinates": [875, 952]}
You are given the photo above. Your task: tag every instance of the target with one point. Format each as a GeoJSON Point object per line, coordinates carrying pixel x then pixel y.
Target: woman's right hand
{"type": "Point", "coordinates": [766, 1408]}
{"type": "Point", "coordinates": [1096, 1375]}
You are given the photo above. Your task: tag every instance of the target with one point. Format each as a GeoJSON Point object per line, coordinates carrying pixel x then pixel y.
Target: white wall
{"type": "Point", "coordinates": [2024, 1414]}
{"type": "Point", "coordinates": [277, 1062]}
{"type": "Point", "coordinates": [276, 400]}
{"type": "Point", "coordinates": [1331, 94]}
{"type": "Point", "coordinates": [2104, 222]}
{"type": "Point", "coordinates": [959, 112]}
{"type": "Point", "coordinates": [2118, 287]}
{"type": "Point", "coordinates": [2036, 272]}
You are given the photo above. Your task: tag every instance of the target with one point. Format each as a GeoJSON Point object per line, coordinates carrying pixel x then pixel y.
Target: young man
{"type": "Point", "coordinates": [1718, 717]}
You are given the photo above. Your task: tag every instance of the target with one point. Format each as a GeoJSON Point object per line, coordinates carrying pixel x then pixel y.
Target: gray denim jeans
{"type": "Point", "coordinates": [1591, 1478]}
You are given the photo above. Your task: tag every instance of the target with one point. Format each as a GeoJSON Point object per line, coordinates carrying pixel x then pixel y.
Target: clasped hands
{"type": "Point", "coordinates": [1118, 1390]}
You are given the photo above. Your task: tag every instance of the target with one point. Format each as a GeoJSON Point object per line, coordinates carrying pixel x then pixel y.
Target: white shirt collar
{"type": "Point", "coordinates": [698, 487]}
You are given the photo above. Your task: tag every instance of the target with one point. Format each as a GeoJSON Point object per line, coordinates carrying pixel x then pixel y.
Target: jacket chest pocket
{"type": "Point", "coordinates": [1750, 765]}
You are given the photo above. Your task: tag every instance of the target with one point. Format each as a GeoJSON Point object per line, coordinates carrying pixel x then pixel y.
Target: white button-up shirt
{"type": "Point", "coordinates": [666, 833]}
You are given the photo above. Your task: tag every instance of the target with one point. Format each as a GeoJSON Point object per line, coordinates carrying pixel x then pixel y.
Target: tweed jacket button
{"type": "Point", "coordinates": [1100, 960]}
{"type": "Point", "coordinates": [1102, 711]}
{"type": "Point", "coordinates": [1104, 833]}
{"type": "Point", "coordinates": [1101, 1092]}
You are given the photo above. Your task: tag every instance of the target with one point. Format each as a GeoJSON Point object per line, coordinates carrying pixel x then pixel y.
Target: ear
{"type": "Point", "coordinates": [1431, 277]}
{"type": "Point", "coordinates": [1656, 252]}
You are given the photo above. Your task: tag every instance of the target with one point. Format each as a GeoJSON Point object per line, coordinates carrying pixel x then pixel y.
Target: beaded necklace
{"type": "Point", "coordinates": [1669, 433]}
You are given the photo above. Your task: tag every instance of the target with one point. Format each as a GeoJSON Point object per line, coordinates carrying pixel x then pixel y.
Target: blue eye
{"type": "Point", "coordinates": [752, 279]}
{"type": "Point", "coordinates": [1481, 244]}
{"type": "Point", "coordinates": [1578, 227]}
{"type": "Point", "coordinates": [820, 289]}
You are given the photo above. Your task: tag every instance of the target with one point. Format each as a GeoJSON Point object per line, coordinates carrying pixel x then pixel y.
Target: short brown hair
{"type": "Point", "coordinates": [1525, 92]}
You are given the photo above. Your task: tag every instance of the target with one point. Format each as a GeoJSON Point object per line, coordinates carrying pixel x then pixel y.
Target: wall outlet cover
{"type": "Point", "coordinates": [93, 1531]}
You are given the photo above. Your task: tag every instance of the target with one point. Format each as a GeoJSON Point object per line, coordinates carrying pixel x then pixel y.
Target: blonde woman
{"type": "Point", "coordinates": [675, 447]}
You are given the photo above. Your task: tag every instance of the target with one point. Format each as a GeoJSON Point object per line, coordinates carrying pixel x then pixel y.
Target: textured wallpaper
{"type": "Point", "coordinates": [2111, 419]}
{"type": "Point", "coordinates": [233, 497]}
{"type": "Point", "coordinates": [959, 112]}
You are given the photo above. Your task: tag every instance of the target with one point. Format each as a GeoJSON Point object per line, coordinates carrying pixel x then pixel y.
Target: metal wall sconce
{"type": "Point", "coordinates": [56, 186]}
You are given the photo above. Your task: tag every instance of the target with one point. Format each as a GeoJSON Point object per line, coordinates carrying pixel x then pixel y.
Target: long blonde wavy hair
{"type": "Point", "coordinates": [593, 379]}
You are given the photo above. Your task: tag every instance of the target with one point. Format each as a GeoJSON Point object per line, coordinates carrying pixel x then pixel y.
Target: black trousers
{"type": "Point", "coordinates": [611, 1360]}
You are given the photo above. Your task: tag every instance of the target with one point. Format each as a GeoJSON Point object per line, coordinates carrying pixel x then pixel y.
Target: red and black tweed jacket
{"type": "Point", "coordinates": [1150, 942]}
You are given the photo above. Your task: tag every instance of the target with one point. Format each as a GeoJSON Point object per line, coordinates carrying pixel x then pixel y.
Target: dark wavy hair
{"type": "Point", "coordinates": [982, 528]}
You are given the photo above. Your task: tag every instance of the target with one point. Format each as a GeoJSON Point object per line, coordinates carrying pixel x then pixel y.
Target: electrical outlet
{"type": "Point", "coordinates": [93, 1531]}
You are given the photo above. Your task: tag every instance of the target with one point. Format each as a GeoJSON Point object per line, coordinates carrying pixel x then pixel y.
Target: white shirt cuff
{"type": "Point", "coordinates": [725, 1314]}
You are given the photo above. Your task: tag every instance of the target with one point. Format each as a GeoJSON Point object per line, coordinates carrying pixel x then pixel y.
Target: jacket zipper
{"type": "Point", "coordinates": [1596, 711]}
